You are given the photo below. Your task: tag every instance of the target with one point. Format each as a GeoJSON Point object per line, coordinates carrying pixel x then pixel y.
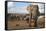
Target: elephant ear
{"type": "Point", "coordinates": [37, 9]}
{"type": "Point", "coordinates": [38, 13]}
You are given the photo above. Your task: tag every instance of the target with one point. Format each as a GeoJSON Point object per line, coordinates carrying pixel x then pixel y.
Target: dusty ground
{"type": "Point", "coordinates": [17, 24]}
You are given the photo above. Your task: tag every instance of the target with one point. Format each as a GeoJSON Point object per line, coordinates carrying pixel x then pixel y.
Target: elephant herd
{"type": "Point", "coordinates": [40, 20]}
{"type": "Point", "coordinates": [19, 18]}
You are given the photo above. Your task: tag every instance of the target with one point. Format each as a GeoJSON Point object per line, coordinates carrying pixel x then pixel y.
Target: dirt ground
{"type": "Point", "coordinates": [17, 24]}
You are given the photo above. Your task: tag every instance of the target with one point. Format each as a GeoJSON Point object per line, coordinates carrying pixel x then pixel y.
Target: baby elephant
{"type": "Point", "coordinates": [41, 22]}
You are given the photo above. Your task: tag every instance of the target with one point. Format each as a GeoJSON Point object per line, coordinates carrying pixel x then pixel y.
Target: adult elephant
{"type": "Point", "coordinates": [34, 10]}
{"type": "Point", "coordinates": [34, 13]}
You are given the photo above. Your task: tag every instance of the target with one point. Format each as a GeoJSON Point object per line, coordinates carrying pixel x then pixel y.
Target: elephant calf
{"type": "Point", "coordinates": [41, 21]}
